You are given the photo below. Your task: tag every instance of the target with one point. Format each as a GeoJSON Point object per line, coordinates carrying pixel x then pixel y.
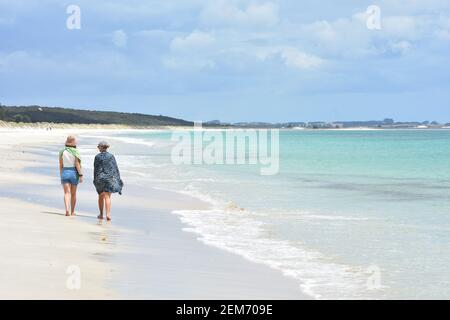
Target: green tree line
{"type": "Point", "coordinates": [76, 116]}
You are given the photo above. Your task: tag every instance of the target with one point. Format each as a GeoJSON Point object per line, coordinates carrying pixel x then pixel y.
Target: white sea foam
{"type": "Point", "coordinates": [236, 230]}
{"type": "Point", "coordinates": [307, 215]}
{"type": "Point", "coordinates": [122, 139]}
{"type": "Point", "coordinates": [141, 162]}
{"type": "Point", "coordinates": [327, 217]}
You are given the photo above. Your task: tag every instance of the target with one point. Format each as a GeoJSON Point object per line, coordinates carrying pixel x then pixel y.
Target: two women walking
{"type": "Point", "coordinates": [106, 176]}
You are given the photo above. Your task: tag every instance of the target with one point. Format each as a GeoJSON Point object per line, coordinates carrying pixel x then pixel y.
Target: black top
{"type": "Point", "coordinates": [107, 174]}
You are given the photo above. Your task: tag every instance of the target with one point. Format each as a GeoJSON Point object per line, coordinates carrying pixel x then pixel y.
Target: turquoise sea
{"type": "Point", "coordinates": [351, 214]}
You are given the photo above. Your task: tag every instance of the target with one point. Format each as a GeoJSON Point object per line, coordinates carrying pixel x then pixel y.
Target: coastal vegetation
{"type": "Point", "coordinates": [2, 112]}
{"type": "Point", "coordinates": [33, 114]}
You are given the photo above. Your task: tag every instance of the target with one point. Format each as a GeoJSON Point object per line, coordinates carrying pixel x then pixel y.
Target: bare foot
{"type": "Point", "coordinates": [74, 214]}
{"type": "Point", "coordinates": [100, 217]}
{"type": "Point", "coordinates": [108, 218]}
{"type": "Point", "coordinates": [67, 214]}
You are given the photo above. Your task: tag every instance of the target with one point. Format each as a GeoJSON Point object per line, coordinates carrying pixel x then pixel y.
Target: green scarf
{"type": "Point", "coordinates": [73, 151]}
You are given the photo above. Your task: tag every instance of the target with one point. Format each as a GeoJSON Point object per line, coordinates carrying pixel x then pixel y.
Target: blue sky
{"type": "Point", "coordinates": [234, 60]}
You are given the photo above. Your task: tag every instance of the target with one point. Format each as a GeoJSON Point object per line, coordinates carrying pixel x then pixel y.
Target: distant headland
{"type": "Point", "coordinates": [40, 114]}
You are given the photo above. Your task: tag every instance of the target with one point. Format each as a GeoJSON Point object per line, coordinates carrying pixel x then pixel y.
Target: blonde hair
{"type": "Point", "coordinates": [70, 141]}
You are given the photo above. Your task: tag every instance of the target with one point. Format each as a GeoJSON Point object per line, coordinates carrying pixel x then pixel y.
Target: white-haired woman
{"type": "Point", "coordinates": [70, 173]}
{"type": "Point", "coordinates": [106, 179]}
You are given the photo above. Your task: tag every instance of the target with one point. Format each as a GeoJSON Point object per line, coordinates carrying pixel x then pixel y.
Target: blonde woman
{"type": "Point", "coordinates": [70, 173]}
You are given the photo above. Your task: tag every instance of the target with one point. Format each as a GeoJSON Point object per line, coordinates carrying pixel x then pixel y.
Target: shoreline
{"type": "Point", "coordinates": [48, 126]}
{"type": "Point", "coordinates": [146, 241]}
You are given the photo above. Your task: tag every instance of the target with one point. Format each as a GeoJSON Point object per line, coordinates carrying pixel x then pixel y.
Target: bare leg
{"type": "Point", "coordinates": [73, 192]}
{"type": "Point", "coordinates": [107, 196]}
{"type": "Point", "coordinates": [101, 204]}
{"type": "Point", "coordinates": [66, 188]}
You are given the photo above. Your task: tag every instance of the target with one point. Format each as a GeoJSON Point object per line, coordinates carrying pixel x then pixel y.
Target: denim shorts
{"type": "Point", "coordinates": [70, 176]}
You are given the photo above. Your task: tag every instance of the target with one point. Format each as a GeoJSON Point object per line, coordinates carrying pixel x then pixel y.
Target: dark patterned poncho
{"type": "Point", "coordinates": [106, 174]}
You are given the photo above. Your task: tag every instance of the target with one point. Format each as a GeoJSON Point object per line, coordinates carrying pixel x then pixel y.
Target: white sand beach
{"type": "Point", "coordinates": [39, 245]}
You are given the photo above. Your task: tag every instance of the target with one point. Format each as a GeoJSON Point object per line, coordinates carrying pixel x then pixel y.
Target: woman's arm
{"type": "Point", "coordinates": [78, 166]}
{"type": "Point", "coordinates": [96, 167]}
{"type": "Point", "coordinates": [60, 165]}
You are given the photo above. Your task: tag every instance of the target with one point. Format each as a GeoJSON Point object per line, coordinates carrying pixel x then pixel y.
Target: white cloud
{"type": "Point", "coordinates": [442, 34]}
{"type": "Point", "coordinates": [323, 31]}
{"type": "Point", "coordinates": [120, 38]}
{"type": "Point", "coordinates": [413, 7]}
{"type": "Point", "coordinates": [95, 63]}
{"type": "Point", "coordinates": [291, 57]}
{"type": "Point", "coordinates": [13, 59]}
{"type": "Point", "coordinates": [194, 51]}
{"type": "Point", "coordinates": [195, 40]}
{"type": "Point", "coordinates": [442, 31]}
{"type": "Point", "coordinates": [349, 38]}
{"type": "Point", "coordinates": [298, 59]}
{"type": "Point", "coordinates": [402, 47]}
{"type": "Point", "coordinates": [184, 63]}
{"type": "Point", "coordinates": [221, 12]}
{"type": "Point", "coordinates": [344, 37]}
{"type": "Point", "coordinates": [401, 26]}
{"type": "Point", "coordinates": [153, 33]}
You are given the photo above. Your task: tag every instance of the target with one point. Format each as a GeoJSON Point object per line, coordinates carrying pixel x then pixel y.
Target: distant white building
{"type": "Point", "coordinates": [337, 125]}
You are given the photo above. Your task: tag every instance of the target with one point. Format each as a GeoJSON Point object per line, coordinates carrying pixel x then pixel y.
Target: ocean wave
{"type": "Point", "coordinates": [137, 162]}
{"type": "Point", "coordinates": [122, 139]}
{"type": "Point", "coordinates": [235, 229]}
{"type": "Point", "coordinates": [327, 217]}
{"type": "Point", "coordinates": [237, 232]}
{"type": "Point", "coordinates": [307, 215]}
